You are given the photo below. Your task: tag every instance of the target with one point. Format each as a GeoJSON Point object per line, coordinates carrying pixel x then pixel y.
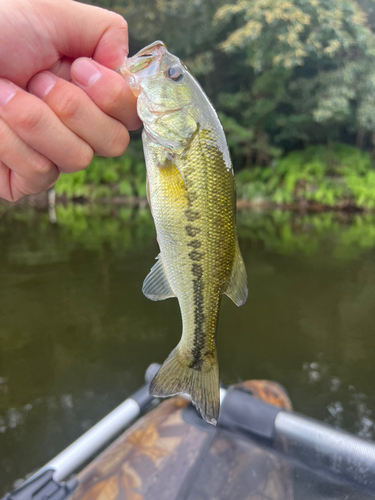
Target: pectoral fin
{"type": "Point", "coordinates": [237, 287]}
{"type": "Point", "coordinates": [156, 285]}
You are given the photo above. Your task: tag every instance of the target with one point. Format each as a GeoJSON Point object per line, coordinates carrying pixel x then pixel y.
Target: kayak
{"type": "Point", "coordinates": [260, 450]}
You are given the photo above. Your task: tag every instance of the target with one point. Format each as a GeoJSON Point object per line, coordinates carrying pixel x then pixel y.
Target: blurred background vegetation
{"type": "Point", "coordinates": [293, 82]}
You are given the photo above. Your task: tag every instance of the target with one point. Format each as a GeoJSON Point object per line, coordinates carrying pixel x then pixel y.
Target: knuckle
{"type": "Point", "coordinates": [42, 165]}
{"type": "Point", "coordinates": [13, 197]}
{"type": "Point", "coordinates": [119, 142]}
{"type": "Point", "coordinates": [84, 159]}
{"type": "Point", "coordinates": [67, 106]}
{"type": "Point", "coordinates": [118, 20]}
{"type": "Point", "coordinates": [115, 97]}
{"type": "Point", "coordinates": [7, 195]}
{"type": "Point", "coordinates": [30, 118]}
{"type": "Point", "coordinates": [135, 123]}
{"type": "Point", "coordinates": [5, 135]}
{"type": "Point", "coordinates": [25, 189]}
{"type": "Point", "coordinates": [77, 160]}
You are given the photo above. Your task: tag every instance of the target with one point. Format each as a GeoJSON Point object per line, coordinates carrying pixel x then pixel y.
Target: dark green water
{"type": "Point", "coordinates": [76, 333]}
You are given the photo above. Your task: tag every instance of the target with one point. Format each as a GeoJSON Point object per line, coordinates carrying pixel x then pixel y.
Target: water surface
{"type": "Point", "coordinates": [76, 333]}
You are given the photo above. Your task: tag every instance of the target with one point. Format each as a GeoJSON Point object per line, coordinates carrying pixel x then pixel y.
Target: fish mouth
{"type": "Point", "coordinates": [149, 54]}
{"type": "Point", "coordinates": [143, 64]}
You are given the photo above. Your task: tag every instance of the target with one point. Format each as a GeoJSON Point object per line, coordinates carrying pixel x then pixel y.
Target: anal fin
{"type": "Point", "coordinates": [156, 285]}
{"type": "Point", "coordinates": [237, 286]}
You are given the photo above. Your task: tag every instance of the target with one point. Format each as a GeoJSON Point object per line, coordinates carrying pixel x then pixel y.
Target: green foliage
{"type": "Point", "coordinates": [249, 116]}
{"type": "Point", "coordinates": [326, 233]}
{"type": "Point", "coordinates": [283, 75]}
{"type": "Point", "coordinates": [98, 228]}
{"type": "Point", "coordinates": [336, 175]}
{"type": "Point", "coordinates": [362, 188]}
{"type": "Point", "coordinates": [286, 33]}
{"type": "Point", "coordinates": [107, 177]}
{"type": "Point", "coordinates": [73, 185]}
{"type": "Point", "coordinates": [324, 51]}
{"type": "Point", "coordinates": [95, 227]}
{"type": "Point", "coordinates": [169, 20]}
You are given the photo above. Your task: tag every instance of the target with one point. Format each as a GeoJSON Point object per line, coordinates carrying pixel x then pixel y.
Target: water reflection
{"type": "Point", "coordinates": [76, 333]}
{"type": "Point", "coordinates": [348, 408]}
{"type": "Point", "coordinates": [287, 232]}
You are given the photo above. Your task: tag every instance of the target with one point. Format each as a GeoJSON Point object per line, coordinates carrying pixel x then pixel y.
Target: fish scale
{"type": "Point", "coordinates": [192, 198]}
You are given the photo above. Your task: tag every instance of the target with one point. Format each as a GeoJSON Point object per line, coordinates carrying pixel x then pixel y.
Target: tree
{"type": "Point", "coordinates": [283, 74]}
{"type": "Point", "coordinates": [319, 55]}
{"type": "Point", "coordinates": [289, 32]}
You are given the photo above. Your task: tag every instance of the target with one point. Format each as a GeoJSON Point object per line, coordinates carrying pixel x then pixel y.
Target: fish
{"type": "Point", "coordinates": [192, 198]}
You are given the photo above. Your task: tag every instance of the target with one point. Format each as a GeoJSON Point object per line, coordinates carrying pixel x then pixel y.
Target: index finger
{"type": "Point", "coordinates": [89, 31]}
{"type": "Point", "coordinates": [108, 90]}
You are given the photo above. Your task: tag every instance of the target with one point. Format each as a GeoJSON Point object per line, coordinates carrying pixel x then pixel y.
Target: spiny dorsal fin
{"type": "Point", "coordinates": [237, 287]}
{"type": "Point", "coordinates": [156, 285]}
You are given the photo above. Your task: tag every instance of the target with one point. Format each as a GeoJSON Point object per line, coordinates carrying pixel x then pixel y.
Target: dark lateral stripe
{"type": "Point", "coordinates": [199, 338]}
{"type": "Point", "coordinates": [195, 255]}
{"type": "Point", "coordinates": [191, 215]}
{"type": "Point", "coordinates": [192, 231]}
{"type": "Point", "coordinates": [192, 197]}
{"type": "Point", "coordinates": [195, 244]}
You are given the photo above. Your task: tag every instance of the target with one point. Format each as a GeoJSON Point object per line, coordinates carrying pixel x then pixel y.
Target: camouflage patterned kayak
{"type": "Point", "coordinates": [260, 450]}
{"type": "Point", "coordinates": [171, 454]}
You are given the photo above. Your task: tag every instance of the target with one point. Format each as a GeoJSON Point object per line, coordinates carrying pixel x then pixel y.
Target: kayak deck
{"type": "Point", "coordinates": [171, 453]}
{"type": "Point", "coordinates": [260, 450]}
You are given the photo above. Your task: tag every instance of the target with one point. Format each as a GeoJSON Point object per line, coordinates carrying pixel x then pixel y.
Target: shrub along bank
{"type": "Point", "coordinates": [333, 176]}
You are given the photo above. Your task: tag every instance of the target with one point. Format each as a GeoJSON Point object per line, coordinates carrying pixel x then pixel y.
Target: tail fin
{"type": "Point", "coordinates": [176, 376]}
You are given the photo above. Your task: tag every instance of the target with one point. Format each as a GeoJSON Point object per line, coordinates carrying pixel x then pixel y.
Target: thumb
{"type": "Point", "coordinates": [85, 30]}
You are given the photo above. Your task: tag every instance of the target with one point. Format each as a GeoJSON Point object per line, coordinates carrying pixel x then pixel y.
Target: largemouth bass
{"type": "Point", "coordinates": [192, 198]}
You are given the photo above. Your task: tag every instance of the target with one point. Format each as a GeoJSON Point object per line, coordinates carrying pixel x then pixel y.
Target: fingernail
{"type": "Point", "coordinates": [7, 91]}
{"type": "Point", "coordinates": [85, 72]}
{"type": "Point", "coordinates": [41, 84]}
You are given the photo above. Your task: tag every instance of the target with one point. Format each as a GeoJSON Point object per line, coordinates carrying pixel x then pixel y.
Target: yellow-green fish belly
{"type": "Point", "coordinates": [193, 205]}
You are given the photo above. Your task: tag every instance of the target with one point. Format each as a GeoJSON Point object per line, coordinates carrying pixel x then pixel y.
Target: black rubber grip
{"type": "Point", "coordinates": [242, 413]}
{"type": "Point", "coordinates": [43, 487]}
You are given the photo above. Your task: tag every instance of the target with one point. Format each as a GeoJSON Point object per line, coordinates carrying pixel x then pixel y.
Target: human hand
{"type": "Point", "coordinates": [57, 106]}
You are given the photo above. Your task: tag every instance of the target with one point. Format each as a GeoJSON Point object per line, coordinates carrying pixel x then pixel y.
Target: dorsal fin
{"type": "Point", "coordinates": [237, 286]}
{"type": "Point", "coordinates": [156, 285]}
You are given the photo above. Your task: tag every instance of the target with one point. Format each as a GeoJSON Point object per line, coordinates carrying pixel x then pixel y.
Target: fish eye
{"type": "Point", "coordinates": [175, 73]}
